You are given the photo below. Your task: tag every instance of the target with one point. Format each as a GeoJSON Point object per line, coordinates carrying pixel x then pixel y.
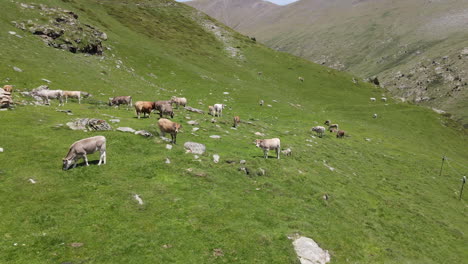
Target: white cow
{"type": "Point", "coordinates": [218, 109]}
{"type": "Point", "coordinates": [74, 94]}
{"type": "Point", "coordinates": [269, 144]}
{"type": "Point", "coordinates": [83, 147]}
{"type": "Point", "coordinates": [50, 94]}
{"type": "Point", "coordinates": [319, 130]}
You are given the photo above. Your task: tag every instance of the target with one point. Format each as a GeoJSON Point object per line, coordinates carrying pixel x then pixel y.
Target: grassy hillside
{"type": "Point", "coordinates": [414, 47]}
{"type": "Point", "coordinates": [387, 202]}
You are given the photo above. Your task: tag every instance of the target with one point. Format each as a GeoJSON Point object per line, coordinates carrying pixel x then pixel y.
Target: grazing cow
{"type": "Point", "coordinates": [372, 99]}
{"type": "Point", "coordinates": [166, 109]}
{"type": "Point", "coordinates": [74, 94]}
{"type": "Point", "coordinates": [179, 101]}
{"type": "Point", "coordinates": [125, 100]}
{"type": "Point", "coordinates": [333, 127]}
{"type": "Point", "coordinates": [319, 130]}
{"type": "Point", "coordinates": [236, 121]}
{"type": "Point", "coordinates": [50, 94]}
{"type": "Point", "coordinates": [144, 107]}
{"type": "Point", "coordinates": [269, 144]}
{"type": "Point", "coordinates": [158, 104]}
{"type": "Point", "coordinates": [8, 88]}
{"type": "Point", "coordinates": [218, 109]}
{"type": "Point", "coordinates": [384, 99]}
{"type": "Point", "coordinates": [374, 116]}
{"type": "Point", "coordinates": [211, 110]}
{"type": "Point", "coordinates": [261, 102]}
{"type": "Point", "coordinates": [327, 122]}
{"type": "Point", "coordinates": [83, 147]}
{"type": "Point", "coordinates": [287, 152]}
{"type": "Point", "coordinates": [340, 134]}
{"type": "Point", "coordinates": [167, 126]}
{"type": "Point", "coordinates": [301, 79]}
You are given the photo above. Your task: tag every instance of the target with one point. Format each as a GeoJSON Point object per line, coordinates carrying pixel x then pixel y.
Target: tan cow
{"type": "Point", "coordinates": [236, 121]}
{"type": "Point", "coordinates": [81, 148]}
{"type": "Point", "coordinates": [144, 107]}
{"type": "Point", "coordinates": [74, 94]}
{"type": "Point", "coordinates": [340, 134]}
{"type": "Point", "coordinates": [211, 110]}
{"type": "Point", "coordinates": [269, 144]}
{"type": "Point", "coordinates": [167, 126]}
{"type": "Point", "coordinates": [179, 101]}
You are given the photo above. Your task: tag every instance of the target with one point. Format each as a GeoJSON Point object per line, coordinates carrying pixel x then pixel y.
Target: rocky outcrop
{"type": "Point", "coordinates": [91, 124]}
{"type": "Point", "coordinates": [195, 148]}
{"type": "Point", "coordinates": [64, 31]}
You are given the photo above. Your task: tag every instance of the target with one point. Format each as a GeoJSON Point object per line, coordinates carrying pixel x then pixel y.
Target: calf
{"type": "Point", "coordinates": [118, 100]}
{"type": "Point", "coordinates": [166, 109]}
{"type": "Point", "coordinates": [74, 94]}
{"type": "Point", "coordinates": [144, 107]}
{"type": "Point", "coordinates": [211, 110]}
{"type": "Point", "coordinates": [269, 144]}
{"type": "Point", "coordinates": [287, 152]}
{"type": "Point", "coordinates": [179, 101]}
{"type": "Point", "coordinates": [319, 130]}
{"type": "Point", "coordinates": [236, 121]}
{"type": "Point", "coordinates": [333, 127]}
{"type": "Point", "coordinates": [81, 148]}
{"type": "Point", "coordinates": [167, 126]}
{"type": "Point", "coordinates": [340, 134]}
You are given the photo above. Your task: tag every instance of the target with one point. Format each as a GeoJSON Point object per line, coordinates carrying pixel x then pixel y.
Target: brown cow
{"type": "Point", "coordinates": [340, 134]}
{"type": "Point", "coordinates": [167, 126]}
{"type": "Point", "coordinates": [236, 121]}
{"type": "Point", "coordinates": [144, 107]}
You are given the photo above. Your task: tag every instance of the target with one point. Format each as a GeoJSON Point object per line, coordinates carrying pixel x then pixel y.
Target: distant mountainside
{"type": "Point", "coordinates": [415, 48]}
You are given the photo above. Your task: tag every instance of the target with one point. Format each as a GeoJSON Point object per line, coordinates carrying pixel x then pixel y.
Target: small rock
{"type": "Point", "coordinates": [138, 198]}
{"type": "Point", "coordinates": [76, 245]}
{"type": "Point", "coordinates": [195, 129]}
{"type": "Point", "coordinates": [245, 170]}
{"type": "Point", "coordinates": [114, 120]}
{"type": "Point", "coordinates": [215, 158]}
{"type": "Point", "coordinates": [192, 122]}
{"type": "Point", "coordinates": [217, 252]}
{"type": "Point", "coordinates": [259, 134]}
{"type": "Point", "coordinates": [261, 172]}
{"type": "Point", "coordinates": [226, 93]}
{"type": "Point", "coordinates": [166, 246]}
{"type": "Point", "coordinates": [45, 80]}
{"type": "Point", "coordinates": [213, 120]}
{"type": "Point", "coordinates": [168, 161]}
{"type": "Point", "coordinates": [143, 133]}
{"type": "Point", "coordinates": [215, 136]}
{"type": "Point", "coordinates": [195, 148]}
{"type": "Point", "coordinates": [12, 32]}
{"type": "Point", "coordinates": [16, 69]}
{"type": "Point", "coordinates": [32, 181]}
{"type": "Point", "coordinates": [269, 105]}
{"type": "Point", "coordinates": [166, 139]}
{"type": "Point", "coordinates": [309, 252]}
{"type": "Point", "coordinates": [126, 129]}
{"type": "Point", "coordinates": [368, 139]}
{"type": "Point", "coordinates": [1, 150]}
{"type": "Point", "coordinates": [196, 157]}
{"type": "Point", "coordinates": [168, 146]}
{"type": "Point", "coordinates": [242, 162]}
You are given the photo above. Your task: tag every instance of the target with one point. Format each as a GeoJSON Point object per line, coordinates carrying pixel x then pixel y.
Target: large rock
{"type": "Point", "coordinates": [195, 148]}
{"type": "Point", "coordinates": [143, 133]}
{"type": "Point", "coordinates": [309, 252]}
{"type": "Point", "coordinates": [92, 124]}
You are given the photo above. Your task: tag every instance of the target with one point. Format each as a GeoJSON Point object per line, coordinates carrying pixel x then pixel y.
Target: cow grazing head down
{"type": "Point", "coordinates": [66, 164]}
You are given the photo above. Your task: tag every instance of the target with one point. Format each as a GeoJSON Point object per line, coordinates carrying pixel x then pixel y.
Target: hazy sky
{"type": "Point", "coordinates": [279, 2]}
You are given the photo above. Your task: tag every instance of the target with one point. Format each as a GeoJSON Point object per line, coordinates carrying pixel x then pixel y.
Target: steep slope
{"type": "Point", "coordinates": [391, 39]}
{"type": "Point", "coordinates": [386, 201]}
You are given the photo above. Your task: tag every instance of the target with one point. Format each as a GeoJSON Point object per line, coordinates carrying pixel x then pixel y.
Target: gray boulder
{"type": "Point", "coordinates": [143, 133]}
{"type": "Point", "coordinates": [92, 124]}
{"type": "Point", "coordinates": [309, 252]}
{"type": "Point", "coordinates": [195, 148]}
{"type": "Point", "coordinates": [126, 129]}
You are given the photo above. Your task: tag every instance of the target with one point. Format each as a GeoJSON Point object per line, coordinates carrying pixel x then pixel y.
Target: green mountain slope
{"type": "Point", "coordinates": [387, 202]}
{"type": "Point", "coordinates": [416, 48]}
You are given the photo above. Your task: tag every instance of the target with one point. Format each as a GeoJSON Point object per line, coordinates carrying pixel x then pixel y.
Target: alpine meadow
{"type": "Point", "coordinates": [377, 195]}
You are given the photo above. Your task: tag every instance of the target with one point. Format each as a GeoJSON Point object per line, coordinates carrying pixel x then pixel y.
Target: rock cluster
{"type": "Point", "coordinates": [64, 31]}
{"type": "Point", "coordinates": [91, 124]}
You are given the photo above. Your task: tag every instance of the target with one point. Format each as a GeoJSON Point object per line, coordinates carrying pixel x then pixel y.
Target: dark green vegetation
{"type": "Point", "coordinates": [393, 39]}
{"type": "Point", "coordinates": [387, 202]}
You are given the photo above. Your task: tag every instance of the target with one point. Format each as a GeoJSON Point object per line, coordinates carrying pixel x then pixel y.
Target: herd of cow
{"type": "Point", "coordinates": [81, 148]}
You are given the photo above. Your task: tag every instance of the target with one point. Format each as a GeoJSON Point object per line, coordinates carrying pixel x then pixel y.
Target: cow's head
{"type": "Point", "coordinates": [66, 164]}
{"type": "Point", "coordinates": [258, 142]}
{"type": "Point", "coordinates": [176, 127]}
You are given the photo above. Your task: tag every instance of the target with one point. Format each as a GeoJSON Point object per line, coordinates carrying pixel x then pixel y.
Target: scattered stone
{"type": "Point", "coordinates": [168, 161]}
{"type": "Point", "coordinates": [325, 197]}
{"type": "Point", "coordinates": [143, 133]}
{"type": "Point", "coordinates": [11, 32]}
{"type": "Point", "coordinates": [213, 120]}
{"type": "Point", "coordinates": [259, 134]}
{"type": "Point", "coordinates": [368, 139]}
{"type": "Point", "coordinates": [374, 116]}
{"type": "Point", "coordinates": [32, 181]}
{"type": "Point", "coordinates": [126, 129]}
{"type": "Point", "coordinates": [1, 150]}
{"type": "Point", "coordinates": [76, 245]}
{"type": "Point", "coordinates": [47, 81]}
{"type": "Point", "coordinates": [328, 166]}
{"type": "Point", "coordinates": [166, 139]}
{"type": "Point", "coordinates": [195, 129]}
{"type": "Point", "coordinates": [215, 136]}
{"type": "Point", "coordinates": [309, 252]}
{"type": "Point", "coordinates": [191, 109]}
{"type": "Point", "coordinates": [166, 246]}
{"type": "Point", "coordinates": [245, 170]}
{"type": "Point", "coordinates": [114, 120]}
{"type": "Point", "coordinates": [91, 124]}
{"type": "Point", "coordinates": [217, 252]}
{"type": "Point", "coordinates": [242, 162]}
{"type": "Point", "coordinates": [215, 158]}
{"type": "Point", "coordinates": [195, 148]}
{"type": "Point", "coordinates": [226, 93]}
{"type": "Point", "coordinates": [168, 146]}
{"type": "Point", "coordinates": [138, 198]}
{"type": "Point", "coordinates": [196, 157]}
{"type": "Point", "coordinates": [192, 122]}
{"type": "Point", "coordinates": [269, 105]}
{"type": "Point", "coordinates": [16, 69]}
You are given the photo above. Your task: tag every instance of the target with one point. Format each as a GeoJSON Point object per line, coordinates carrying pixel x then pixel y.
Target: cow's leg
{"type": "Point", "coordinates": [174, 138]}
{"type": "Point", "coordinates": [86, 160]}
{"type": "Point", "coordinates": [102, 158]}
{"type": "Point", "coordinates": [278, 153]}
{"type": "Point", "coordinates": [66, 99]}
{"type": "Point", "coordinates": [265, 154]}
{"type": "Point", "coordinates": [79, 99]}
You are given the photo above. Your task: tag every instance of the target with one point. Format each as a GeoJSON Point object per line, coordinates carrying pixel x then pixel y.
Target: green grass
{"type": "Point", "coordinates": [387, 203]}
